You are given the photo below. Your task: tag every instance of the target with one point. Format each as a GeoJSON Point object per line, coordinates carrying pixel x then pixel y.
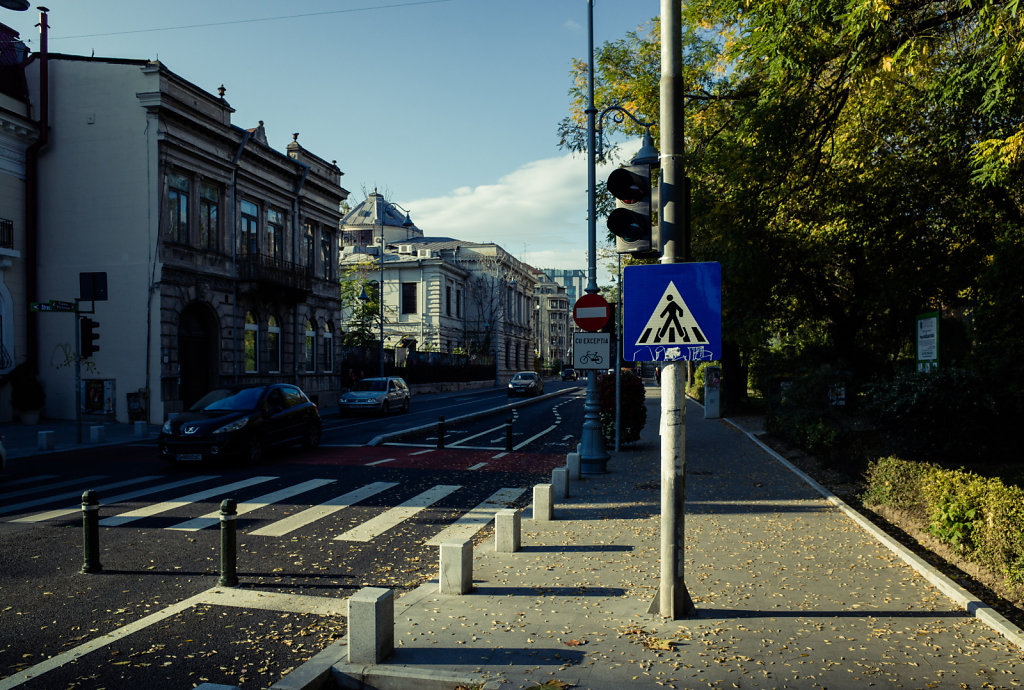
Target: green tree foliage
{"type": "Point", "coordinates": [363, 316]}
{"type": "Point", "coordinates": [854, 162]}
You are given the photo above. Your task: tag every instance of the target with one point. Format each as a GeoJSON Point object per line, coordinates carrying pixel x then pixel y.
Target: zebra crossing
{"type": "Point", "coordinates": [52, 500]}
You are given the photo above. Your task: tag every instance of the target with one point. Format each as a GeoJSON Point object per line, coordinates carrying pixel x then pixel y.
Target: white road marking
{"type": "Point", "coordinates": [30, 480]}
{"type": "Point", "coordinates": [75, 494]}
{"type": "Point", "coordinates": [477, 466]}
{"type": "Point", "coordinates": [53, 514]}
{"type": "Point", "coordinates": [536, 436]}
{"type": "Point", "coordinates": [157, 508]}
{"type": "Point", "coordinates": [379, 462]}
{"type": "Point", "coordinates": [238, 598]}
{"type": "Point", "coordinates": [476, 519]}
{"type": "Point", "coordinates": [470, 438]}
{"type": "Point", "coordinates": [318, 512]}
{"type": "Point", "coordinates": [386, 520]}
{"type": "Point", "coordinates": [423, 452]}
{"type": "Point", "coordinates": [213, 518]}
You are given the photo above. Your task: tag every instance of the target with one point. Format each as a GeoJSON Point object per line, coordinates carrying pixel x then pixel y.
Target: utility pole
{"type": "Point", "coordinates": [673, 599]}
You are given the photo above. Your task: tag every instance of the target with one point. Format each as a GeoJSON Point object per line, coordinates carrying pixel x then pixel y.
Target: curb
{"type": "Point", "coordinates": [383, 438]}
{"type": "Point", "coordinates": [960, 596]}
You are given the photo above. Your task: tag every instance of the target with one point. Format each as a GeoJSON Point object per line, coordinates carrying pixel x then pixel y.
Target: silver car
{"type": "Point", "coordinates": [526, 383]}
{"type": "Point", "coordinates": [377, 394]}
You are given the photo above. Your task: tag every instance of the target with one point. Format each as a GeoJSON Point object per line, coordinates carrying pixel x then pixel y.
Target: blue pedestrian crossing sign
{"type": "Point", "coordinates": [672, 312]}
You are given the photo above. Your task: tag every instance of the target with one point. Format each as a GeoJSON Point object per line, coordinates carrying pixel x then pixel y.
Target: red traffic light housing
{"type": "Point", "coordinates": [630, 222]}
{"type": "Point", "coordinates": [89, 335]}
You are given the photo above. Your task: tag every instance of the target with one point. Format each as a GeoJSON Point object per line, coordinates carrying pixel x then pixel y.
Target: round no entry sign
{"type": "Point", "coordinates": [591, 312]}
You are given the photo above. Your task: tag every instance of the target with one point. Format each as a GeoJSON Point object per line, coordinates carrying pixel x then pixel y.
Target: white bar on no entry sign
{"type": "Point", "coordinates": [591, 312]}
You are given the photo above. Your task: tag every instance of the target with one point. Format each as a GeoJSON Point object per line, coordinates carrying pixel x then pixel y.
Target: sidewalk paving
{"type": "Point", "coordinates": [790, 592]}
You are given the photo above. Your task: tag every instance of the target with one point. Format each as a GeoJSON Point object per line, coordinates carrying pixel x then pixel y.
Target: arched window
{"type": "Point", "coordinates": [249, 343]}
{"type": "Point", "coordinates": [273, 345]}
{"type": "Point", "coordinates": [310, 346]}
{"type": "Point", "coordinates": [328, 347]}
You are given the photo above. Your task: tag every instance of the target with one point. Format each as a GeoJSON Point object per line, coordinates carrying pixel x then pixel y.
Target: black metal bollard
{"type": "Point", "coordinates": [440, 432]}
{"type": "Point", "coordinates": [508, 435]}
{"type": "Point", "coordinates": [228, 544]}
{"type": "Point", "coordinates": [91, 532]}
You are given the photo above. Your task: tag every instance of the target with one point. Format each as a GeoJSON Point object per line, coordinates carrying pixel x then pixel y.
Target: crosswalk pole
{"type": "Point", "coordinates": [91, 532]}
{"type": "Point", "coordinates": [228, 543]}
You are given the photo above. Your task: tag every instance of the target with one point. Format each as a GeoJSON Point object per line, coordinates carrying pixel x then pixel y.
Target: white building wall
{"type": "Point", "coordinates": [98, 213]}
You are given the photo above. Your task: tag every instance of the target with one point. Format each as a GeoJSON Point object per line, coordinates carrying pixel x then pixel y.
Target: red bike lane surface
{"type": "Point", "coordinates": [400, 457]}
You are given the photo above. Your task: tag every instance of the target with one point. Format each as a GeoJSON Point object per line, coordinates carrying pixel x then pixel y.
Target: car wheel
{"type": "Point", "coordinates": [312, 437]}
{"type": "Point", "coordinates": [385, 407]}
{"type": "Point", "coordinates": [255, 451]}
{"type": "Point", "coordinates": [405, 406]}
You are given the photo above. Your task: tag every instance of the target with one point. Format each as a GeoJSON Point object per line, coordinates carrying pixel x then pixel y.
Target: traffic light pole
{"type": "Point", "coordinates": [593, 456]}
{"type": "Point", "coordinates": [674, 600]}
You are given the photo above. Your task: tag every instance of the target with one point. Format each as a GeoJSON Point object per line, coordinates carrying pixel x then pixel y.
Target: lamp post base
{"type": "Point", "coordinates": [593, 456]}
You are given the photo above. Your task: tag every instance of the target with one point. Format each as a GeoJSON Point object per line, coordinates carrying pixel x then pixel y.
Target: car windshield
{"type": "Point", "coordinates": [524, 377]}
{"type": "Point", "coordinates": [229, 400]}
{"type": "Point", "coordinates": [370, 385]}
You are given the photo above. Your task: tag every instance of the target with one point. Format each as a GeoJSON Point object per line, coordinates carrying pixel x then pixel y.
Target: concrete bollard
{"type": "Point", "coordinates": [572, 463]}
{"type": "Point", "coordinates": [91, 532]}
{"type": "Point", "coordinates": [456, 573]}
{"type": "Point", "coordinates": [228, 543]}
{"type": "Point", "coordinates": [508, 530]}
{"type": "Point", "coordinates": [97, 433]}
{"type": "Point", "coordinates": [543, 510]}
{"type": "Point", "coordinates": [560, 482]}
{"type": "Point", "coordinates": [139, 429]}
{"type": "Point", "coordinates": [44, 440]}
{"type": "Point", "coordinates": [371, 625]}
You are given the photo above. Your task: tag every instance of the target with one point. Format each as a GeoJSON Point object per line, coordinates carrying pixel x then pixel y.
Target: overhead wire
{"type": "Point", "coordinates": [252, 20]}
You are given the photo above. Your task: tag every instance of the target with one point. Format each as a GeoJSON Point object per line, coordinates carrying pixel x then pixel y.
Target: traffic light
{"type": "Point", "coordinates": [90, 334]}
{"type": "Point", "coordinates": [630, 222]}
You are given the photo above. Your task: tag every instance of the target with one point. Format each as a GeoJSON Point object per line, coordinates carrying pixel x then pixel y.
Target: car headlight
{"type": "Point", "coordinates": [167, 427]}
{"type": "Point", "coordinates": [232, 426]}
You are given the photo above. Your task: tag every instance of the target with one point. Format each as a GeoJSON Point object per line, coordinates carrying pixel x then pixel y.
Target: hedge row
{"type": "Point", "coordinates": [980, 518]}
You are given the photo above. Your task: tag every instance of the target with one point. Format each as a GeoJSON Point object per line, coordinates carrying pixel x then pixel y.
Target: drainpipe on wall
{"type": "Point", "coordinates": [234, 249]}
{"type": "Point", "coordinates": [295, 246]}
{"type": "Point", "coordinates": [32, 194]}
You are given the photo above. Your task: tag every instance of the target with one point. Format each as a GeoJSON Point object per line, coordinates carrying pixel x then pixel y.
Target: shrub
{"type": "Point", "coordinates": [981, 518]}
{"type": "Point", "coordinates": [940, 413]}
{"type": "Point", "coordinates": [695, 388]}
{"type": "Point", "coordinates": [632, 412]}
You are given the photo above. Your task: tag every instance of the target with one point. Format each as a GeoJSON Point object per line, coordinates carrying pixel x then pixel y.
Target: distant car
{"type": "Point", "coordinates": [241, 422]}
{"type": "Point", "coordinates": [569, 374]}
{"type": "Point", "coordinates": [376, 395]}
{"type": "Point", "coordinates": [526, 383]}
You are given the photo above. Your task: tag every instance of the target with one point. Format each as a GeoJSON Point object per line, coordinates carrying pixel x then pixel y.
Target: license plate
{"type": "Point", "coordinates": [189, 457]}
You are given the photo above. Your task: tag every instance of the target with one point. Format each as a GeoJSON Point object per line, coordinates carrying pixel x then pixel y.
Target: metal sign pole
{"type": "Point", "coordinates": [674, 600]}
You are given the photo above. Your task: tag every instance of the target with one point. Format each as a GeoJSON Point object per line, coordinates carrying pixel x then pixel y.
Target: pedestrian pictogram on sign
{"type": "Point", "coordinates": [672, 312]}
{"type": "Point", "coordinates": [672, 323]}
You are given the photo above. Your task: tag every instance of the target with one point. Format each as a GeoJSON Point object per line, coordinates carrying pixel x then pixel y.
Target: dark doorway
{"type": "Point", "coordinates": [197, 352]}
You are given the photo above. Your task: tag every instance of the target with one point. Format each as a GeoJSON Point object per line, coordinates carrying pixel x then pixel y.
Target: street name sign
{"type": "Point", "coordinates": [53, 305]}
{"type": "Point", "coordinates": [591, 350]}
{"type": "Point", "coordinates": [672, 312]}
{"type": "Point", "coordinates": [591, 312]}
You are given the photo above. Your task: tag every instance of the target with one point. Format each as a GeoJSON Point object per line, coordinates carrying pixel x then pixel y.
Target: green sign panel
{"type": "Point", "coordinates": [928, 341]}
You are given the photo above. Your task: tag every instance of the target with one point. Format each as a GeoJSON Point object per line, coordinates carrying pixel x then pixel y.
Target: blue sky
{"type": "Point", "coordinates": [449, 107]}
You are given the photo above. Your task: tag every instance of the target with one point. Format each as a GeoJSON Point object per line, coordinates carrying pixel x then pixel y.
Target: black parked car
{"type": "Point", "coordinates": [241, 422]}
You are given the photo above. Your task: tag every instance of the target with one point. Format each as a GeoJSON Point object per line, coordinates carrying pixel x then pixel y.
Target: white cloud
{"type": "Point", "coordinates": [537, 212]}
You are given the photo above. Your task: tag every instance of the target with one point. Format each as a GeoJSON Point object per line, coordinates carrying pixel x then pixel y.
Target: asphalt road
{"type": "Point", "coordinates": [313, 527]}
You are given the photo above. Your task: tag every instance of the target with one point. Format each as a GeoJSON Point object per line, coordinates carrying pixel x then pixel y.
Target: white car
{"type": "Point", "coordinates": [376, 395]}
